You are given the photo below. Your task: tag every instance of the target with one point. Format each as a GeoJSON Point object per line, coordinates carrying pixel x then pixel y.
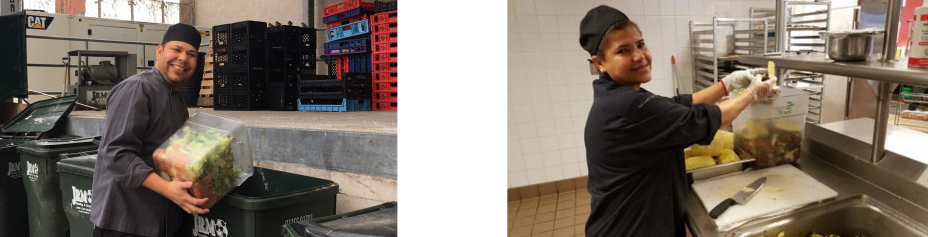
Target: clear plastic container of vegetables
{"type": "Point", "coordinates": [771, 130]}
{"type": "Point", "coordinates": [210, 150]}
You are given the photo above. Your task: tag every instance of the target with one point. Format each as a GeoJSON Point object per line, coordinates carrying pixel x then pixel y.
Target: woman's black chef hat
{"type": "Point", "coordinates": [594, 26]}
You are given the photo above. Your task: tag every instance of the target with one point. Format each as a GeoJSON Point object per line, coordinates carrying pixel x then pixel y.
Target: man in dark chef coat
{"type": "Point", "coordinates": [129, 198]}
{"type": "Point", "coordinates": [635, 139]}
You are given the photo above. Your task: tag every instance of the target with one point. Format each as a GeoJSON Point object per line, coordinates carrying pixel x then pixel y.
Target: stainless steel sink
{"type": "Point", "coordinates": [852, 216]}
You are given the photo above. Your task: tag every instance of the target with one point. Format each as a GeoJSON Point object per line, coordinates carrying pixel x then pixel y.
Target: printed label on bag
{"type": "Point", "coordinates": [32, 170]}
{"type": "Point", "coordinates": [15, 171]}
{"type": "Point", "coordinates": [209, 227]}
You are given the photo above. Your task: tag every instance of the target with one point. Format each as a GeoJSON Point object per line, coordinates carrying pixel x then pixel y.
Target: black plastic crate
{"type": "Point", "coordinates": [308, 58]}
{"type": "Point", "coordinates": [351, 79]}
{"type": "Point", "coordinates": [284, 37]}
{"type": "Point", "coordinates": [351, 93]}
{"type": "Point", "coordinates": [282, 96]}
{"type": "Point", "coordinates": [221, 57]}
{"type": "Point", "coordinates": [222, 79]}
{"type": "Point", "coordinates": [321, 94]}
{"type": "Point", "coordinates": [363, 77]}
{"type": "Point", "coordinates": [221, 36]}
{"type": "Point", "coordinates": [353, 86]}
{"type": "Point", "coordinates": [248, 99]}
{"type": "Point", "coordinates": [308, 38]}
{"type": "Point", "coordinates": [330, 62]}
{"type": "Point", "coordinates": [249, 77]}
{"type": "Point", "coordinates": [248, 33]}
{"type": "Point", "coordinates": [275, 75]}
{"type": "Point", "coordinates": [247, 55]}
{"type": "Point", "coordinates": [222, 99]}
{"type": "Point", "coordinates": [335, 92]}
{"type": "Point", "coordinates": [384, 6]}
{"type": "Point", "coordinates": [316, 77]}
{"type": "Point", "coordinates": [284, 58]}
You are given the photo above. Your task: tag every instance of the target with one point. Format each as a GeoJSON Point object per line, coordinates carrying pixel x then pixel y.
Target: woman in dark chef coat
{"type": "Point", "coordinates": [635, 139]}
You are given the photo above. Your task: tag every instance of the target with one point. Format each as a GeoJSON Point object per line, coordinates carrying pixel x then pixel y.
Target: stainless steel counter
{"type": "Point", "coordinates": [840, 162]}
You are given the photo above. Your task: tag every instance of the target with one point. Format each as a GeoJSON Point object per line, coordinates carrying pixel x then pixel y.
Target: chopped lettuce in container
{"type": "Point", "coordinates": [202, 155]}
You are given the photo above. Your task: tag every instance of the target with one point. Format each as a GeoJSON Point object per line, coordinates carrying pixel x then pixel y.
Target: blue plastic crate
{"type": "Point", "coordinates": [346, 106]}
{"type": "Point", "coordinates": [359, 62]}
{"type": "Point", "coordinates": [350, 30]}
{"type": "Point", "coordinates": [348, 46]}
{"type": "Point", "coordinates": [346, 43]}
{"type": "Point", "coordinates": [345, 15]}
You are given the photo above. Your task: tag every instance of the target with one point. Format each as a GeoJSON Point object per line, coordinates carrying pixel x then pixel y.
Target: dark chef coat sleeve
{"type": "Point", "coordinates": [665, 123]}
{"type": "Point", "coordinates": [127, 115]}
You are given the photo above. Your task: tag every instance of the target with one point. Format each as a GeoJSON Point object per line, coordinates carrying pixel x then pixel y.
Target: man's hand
{"type": "Point", "coordinates": [176, 191]}
{"type": "Point", "coordinates": [742, 79]}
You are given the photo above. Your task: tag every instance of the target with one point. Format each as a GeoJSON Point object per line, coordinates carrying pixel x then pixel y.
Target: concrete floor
{"type": "Point", "coordinates": [366, 121]}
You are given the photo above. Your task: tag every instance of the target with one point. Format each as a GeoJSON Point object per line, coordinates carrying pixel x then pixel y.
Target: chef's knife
{"type": "Point", "coordinates": [742, 197]}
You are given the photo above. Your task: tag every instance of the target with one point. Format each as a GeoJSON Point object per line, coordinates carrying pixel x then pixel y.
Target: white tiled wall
{"type": "Point", "coordinates": [549, 81]}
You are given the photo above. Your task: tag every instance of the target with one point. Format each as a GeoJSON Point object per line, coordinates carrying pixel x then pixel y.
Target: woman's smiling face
{"type": "Point", "coordinates": [624, 56]}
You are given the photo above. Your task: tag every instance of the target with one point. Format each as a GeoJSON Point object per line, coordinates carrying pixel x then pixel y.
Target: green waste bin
{"type": "Point", "coordinates": [376, 221]}
{"type": "Point", "coordinates": [30, 124]}
{"type": "Point", "coordinates": [13, 210]}
{"type": "Point", "coordinates": [76, 171]}
{"type": "Point", "coordinates": [264, 202]}
{"type": "Point", "coordinates": [43, 194]}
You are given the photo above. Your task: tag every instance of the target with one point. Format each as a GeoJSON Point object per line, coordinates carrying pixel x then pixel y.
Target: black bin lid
{"type": "Point", "coordinates": [81, 165]}
{"type": "Point", "coordinates": [380, 223]}
{"type": "Point", "coordinates": [38, 118]}
{"type": "Point", "coordinates": [56, 146]}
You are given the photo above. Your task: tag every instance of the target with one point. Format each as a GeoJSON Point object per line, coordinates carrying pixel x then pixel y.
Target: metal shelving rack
{"type": "Point", "coordinates": [803, 27]}
{"type": "Point", "coordinates": [707, 63]}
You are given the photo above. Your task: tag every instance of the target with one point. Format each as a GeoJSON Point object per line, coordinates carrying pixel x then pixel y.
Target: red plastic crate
{"type": "Point", "coordinates": [384, 76]}
{"type": "Point", "coordinates": [386, 17]}
{"type": "Point", "coordinates": [384, 48]}
{"type": "Point", "coordinates": [384, 106]}
{"type": "Point", "coordinates": [346, 21]}
{"type": "Point", "coordinates": [384, 57]}
{"type": "Point", "coordinates": [385, 67]}
{"type": "Point", "coordinates": [341, 65]}
{"type": "Point", "coordinates": [345, 6]}
{"type": "Point", "coordinates": [385, 86]}
{"type": "Point", "coordinates": [385, 28]}
{"type": "Point", "coordinates": [385, 96]}
{"type": "Point", "coordinates": [384, 38]}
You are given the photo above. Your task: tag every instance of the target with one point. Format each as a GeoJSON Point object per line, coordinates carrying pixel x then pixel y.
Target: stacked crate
{"type": "Point", "coordinates": [384, 59]}
{"type": "Point", "coordinates": [240, 76]}
{"type": "Point", "coordinates": [222, 89]}
{"type": "Point", "coordinates": [291, 52]}
{"type": "Point", "coordinates": [348, 47]}
{"type": "Point", "coordinates": [384, 6]}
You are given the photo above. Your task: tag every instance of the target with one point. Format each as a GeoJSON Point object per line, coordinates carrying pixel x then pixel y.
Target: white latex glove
{"type": "Point", "coordinates": [762, 90]}
{"type": "Point", "coordinates": [742, 79]}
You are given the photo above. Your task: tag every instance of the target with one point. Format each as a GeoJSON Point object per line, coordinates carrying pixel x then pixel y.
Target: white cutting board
{"type": "Point", "coordinates": [787, 187]}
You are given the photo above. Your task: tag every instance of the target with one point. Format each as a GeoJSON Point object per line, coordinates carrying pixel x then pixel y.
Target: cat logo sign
{"type": "Point", "coordinates": [39, 22]}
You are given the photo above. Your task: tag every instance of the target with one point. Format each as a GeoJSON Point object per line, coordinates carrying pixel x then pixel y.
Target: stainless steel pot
{"type": "Point", "coordinates": [855, 45]}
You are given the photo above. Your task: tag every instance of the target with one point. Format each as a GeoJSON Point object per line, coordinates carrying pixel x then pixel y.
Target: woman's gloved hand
{"type": "Point", "coordinates": [742, 79]}
{"type": "Point", "coordinates": [761, 90]}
